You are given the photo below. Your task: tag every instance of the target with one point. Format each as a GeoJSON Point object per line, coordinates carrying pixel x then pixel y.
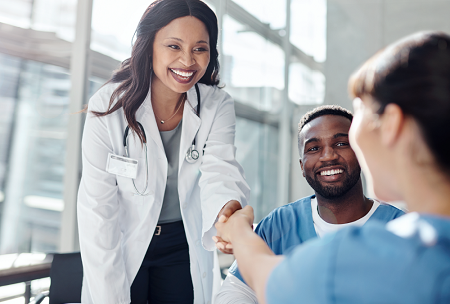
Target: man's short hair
{"type": "Point", "coordinates": [321, 111]}
{"type": "Point", "coordinates": [324, 110]}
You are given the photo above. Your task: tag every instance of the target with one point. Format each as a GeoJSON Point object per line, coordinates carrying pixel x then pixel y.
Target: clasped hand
{"type": "Point", "coordinates": [229, 227]}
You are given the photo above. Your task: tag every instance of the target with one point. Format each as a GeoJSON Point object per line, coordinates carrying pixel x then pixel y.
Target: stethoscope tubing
{"type": "Point", "coordinates": [127, 154]}
{"type": "Point", "coordinates": [191, 156]}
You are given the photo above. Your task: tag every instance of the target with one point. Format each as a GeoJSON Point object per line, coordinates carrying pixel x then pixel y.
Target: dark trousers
{"type": "Point", "coordinates": [165, 275]}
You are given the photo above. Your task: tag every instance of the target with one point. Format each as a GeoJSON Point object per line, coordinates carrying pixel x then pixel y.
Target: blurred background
{"type": "Point", "coordinates": [279, 59]}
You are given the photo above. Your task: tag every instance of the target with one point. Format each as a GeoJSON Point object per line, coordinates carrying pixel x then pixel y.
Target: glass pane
{"type": "Point", "coordinates": [111, 37]}
{"type": "Point", "coordinates": [252, 67]}
{"type": "Point", "coordinates": [58, 16]}
{"type": "Point", "coordinates": [44, 15]}
{"type": "Point", "coordinates": [257, 153]}
{"type": "Point", "coordinates": [113, 25]}
{"type": "Point", "coordinates": [40, 285]}
{"type": "Point", "coordinates": [267, 11]}
{"type": "Point", "coordinates": [309, 26]}
{"type": "Point", "coordinates": [12, 290]}
{"type": "Point", "coordinates": [213, 8]}
{"type": "Point", "coordinates": [306, 86]}
{"type": "Point", "coordinates": [36, 99]}
{"type": "Point", "coordinates": [17, 12]}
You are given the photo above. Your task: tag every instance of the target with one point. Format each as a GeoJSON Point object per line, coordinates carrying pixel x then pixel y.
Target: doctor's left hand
{"type": "Point", "coordinates": [227, 210]}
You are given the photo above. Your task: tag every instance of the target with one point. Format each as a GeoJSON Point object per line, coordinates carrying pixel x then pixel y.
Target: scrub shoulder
{"type": "Point", "coordinates": [405, 261]}
{"type": "Point", "coordinates": [284, 228]}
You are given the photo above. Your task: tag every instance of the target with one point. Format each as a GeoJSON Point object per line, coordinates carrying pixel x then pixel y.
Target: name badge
{"type": "Point", "coordinates": [123, 166]}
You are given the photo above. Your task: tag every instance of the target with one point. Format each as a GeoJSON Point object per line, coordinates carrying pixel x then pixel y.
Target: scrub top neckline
{"type": "Point", "coordinates": [322, 227]}
{"type": "Point", "coordinates": [360, 221]}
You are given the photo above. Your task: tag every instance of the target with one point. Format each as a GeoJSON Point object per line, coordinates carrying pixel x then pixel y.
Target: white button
{"type": "Point", "coordinates": [204, 275]}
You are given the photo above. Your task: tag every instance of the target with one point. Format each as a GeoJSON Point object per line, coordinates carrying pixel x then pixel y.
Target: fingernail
{"type": "Point", "coordinates": [229, 246]}
{"type": "Point", "coordinates": [221, 246]}
{"type": "Point", "coordinates": [222, 218]}
{"type": "Point", "coordinates": [215, 239]}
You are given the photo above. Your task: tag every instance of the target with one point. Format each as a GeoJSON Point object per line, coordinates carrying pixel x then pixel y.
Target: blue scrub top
{"type": "Point", "coordinates": [292, 224]}
{"type": "Point", "coordinates": [406, 261]}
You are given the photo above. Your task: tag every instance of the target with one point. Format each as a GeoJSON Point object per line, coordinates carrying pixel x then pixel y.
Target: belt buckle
{"type": "Point", "coordinates": [158, 230]}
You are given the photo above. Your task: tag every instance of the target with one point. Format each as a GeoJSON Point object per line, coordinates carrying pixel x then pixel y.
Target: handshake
{"type": "Point", "coordinates": [229, 228]}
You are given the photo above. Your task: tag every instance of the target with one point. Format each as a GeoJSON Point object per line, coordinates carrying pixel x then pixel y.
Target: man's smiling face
{"type": "Point", "coordinates": [326, 158]}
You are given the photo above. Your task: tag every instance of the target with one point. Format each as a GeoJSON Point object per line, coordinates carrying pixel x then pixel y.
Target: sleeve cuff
{"type": "Point", "coordinates": [209, 230]}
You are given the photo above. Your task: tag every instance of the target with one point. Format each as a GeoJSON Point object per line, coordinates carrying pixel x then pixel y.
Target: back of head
{"type": "Point", "coordinates": [413, 73]}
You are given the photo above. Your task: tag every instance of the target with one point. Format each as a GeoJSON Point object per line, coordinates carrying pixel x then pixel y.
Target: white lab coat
{"type": "Point", "coordinates": [116, 226]}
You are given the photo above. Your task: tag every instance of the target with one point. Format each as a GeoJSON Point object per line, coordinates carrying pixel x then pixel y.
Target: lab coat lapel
{"type": "Point", "coordinates": [147, 118]}
{"type": "Point", "coordinates": [190, 126]}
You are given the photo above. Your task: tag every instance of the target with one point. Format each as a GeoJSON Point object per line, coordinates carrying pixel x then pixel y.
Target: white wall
{"type": "Point", "coordinates": [357, 29]}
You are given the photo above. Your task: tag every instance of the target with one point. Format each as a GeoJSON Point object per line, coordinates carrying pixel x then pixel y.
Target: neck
{"type": "Point", "coordinates": [426, 190]}
{"type": "Point", "coordinates": [414, 174]}
{"type": "Point", "coordinates": [347, 208]}
{"type": "Point", "coordinates": [163, 98]}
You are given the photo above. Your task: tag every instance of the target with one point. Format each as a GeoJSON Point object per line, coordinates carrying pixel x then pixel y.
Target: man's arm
{"type": "Point", "coordinates": [234, 291]}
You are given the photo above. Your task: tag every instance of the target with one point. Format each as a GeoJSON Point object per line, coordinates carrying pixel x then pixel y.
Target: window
{"type": "Point", "coordinates": [257, 152]}
{"type": "Point", "coordinates": [36, 98]}
{"type": "Point", "coordinates": [44, 15]}
{"type": "Point", "coordinates": [309, 26]}
{"type": "Point", "coordinates": [114, 24]}
{"type": "Point", "coordinates": [306, 86]}
{"type": "Point", "coordinates": [253, 67]}
{"type": "Point", "coordinates": [267, 11]}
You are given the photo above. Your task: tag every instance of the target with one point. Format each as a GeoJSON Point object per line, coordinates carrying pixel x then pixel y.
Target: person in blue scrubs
{"type": "Point", "coordinates": [331, 168]}
{"type": "Point", "coordinates": [401, 136]}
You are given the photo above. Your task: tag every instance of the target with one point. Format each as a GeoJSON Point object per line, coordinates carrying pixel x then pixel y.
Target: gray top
{"type": "Point", "coordinates": [170, 211]}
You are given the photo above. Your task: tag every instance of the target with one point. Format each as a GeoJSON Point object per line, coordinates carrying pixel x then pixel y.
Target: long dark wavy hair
{"type": "Point", "coordinates": [135, 72]}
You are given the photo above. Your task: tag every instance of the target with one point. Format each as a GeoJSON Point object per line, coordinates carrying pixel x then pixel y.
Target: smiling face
{"type": "Point", "coordinates": [327, 160]}
{"type": "Point", "coordinates": [181, 54]}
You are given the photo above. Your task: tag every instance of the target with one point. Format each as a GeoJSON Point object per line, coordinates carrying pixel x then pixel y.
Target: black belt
{"type": "Point", "coordinates": [168, 227]}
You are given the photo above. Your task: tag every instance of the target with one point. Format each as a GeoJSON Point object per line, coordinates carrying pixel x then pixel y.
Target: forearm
{"type": "Point", "coordinates": [256, 260]}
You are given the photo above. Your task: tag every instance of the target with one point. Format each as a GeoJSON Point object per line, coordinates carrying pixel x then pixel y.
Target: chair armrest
{"type": "Point", "coordinates": [39, 298]}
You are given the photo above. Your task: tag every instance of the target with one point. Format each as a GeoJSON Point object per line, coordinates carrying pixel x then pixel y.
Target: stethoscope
{"type": "Point", "coordinates": [192, 154]}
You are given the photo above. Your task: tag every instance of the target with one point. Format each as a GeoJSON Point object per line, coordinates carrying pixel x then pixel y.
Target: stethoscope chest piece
{"type": "Point", "coordinates": [192, 155]}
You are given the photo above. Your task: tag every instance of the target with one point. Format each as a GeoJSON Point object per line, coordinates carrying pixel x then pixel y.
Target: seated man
{"type": "Point", "coordinates": [330, 167]}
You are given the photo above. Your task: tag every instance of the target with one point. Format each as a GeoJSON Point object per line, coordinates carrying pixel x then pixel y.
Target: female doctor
{"type": "Point", "coordinates": [159, 165]}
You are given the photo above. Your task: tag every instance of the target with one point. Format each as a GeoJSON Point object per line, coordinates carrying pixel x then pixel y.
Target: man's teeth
{"type": "Point", "coordinates": [331, 172]}
{"type": "Point", "coordinates": [182, 74]}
